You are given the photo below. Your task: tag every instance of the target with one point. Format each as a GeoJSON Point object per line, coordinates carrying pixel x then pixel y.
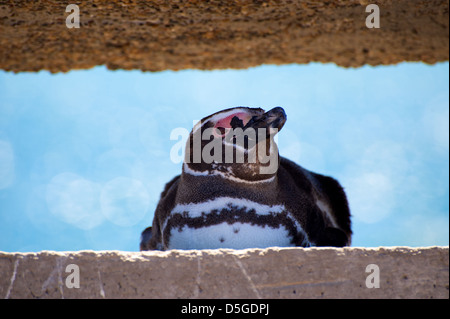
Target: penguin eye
{"type": "Point", "coordinates": [236, 122]}
{"type": "Point", "coordinates": [220, 131]}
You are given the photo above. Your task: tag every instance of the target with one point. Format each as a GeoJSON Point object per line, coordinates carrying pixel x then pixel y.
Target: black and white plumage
{"type": "Point", "coordinates": [223, 204]}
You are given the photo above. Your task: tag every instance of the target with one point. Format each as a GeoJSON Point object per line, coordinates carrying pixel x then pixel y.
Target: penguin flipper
{"type": "Point", "coordinates": [338, 201]}
{"type": "Point", "coordinates": [334, 237]}
{"type": "Point", "coordinates": [330, 189]}
{"type": "Point", "coordinates": [146, 236]}
{"type": "Point", "coordinates": [151, 237]}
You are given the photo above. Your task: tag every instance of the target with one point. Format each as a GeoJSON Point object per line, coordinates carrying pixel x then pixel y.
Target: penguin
{"type": "Point", "coordinates": [235, 191]}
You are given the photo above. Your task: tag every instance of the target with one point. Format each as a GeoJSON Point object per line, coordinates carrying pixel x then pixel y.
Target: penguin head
{"type": "Point", "coordinates": [237, 143]}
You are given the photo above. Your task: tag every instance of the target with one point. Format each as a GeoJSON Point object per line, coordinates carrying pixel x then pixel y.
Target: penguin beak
{"type": "Point", "coordinates": [275, 119]}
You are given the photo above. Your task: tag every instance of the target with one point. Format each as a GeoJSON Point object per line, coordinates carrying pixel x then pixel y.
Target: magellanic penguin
{"type": "Point", "coordinates": [236, 192]}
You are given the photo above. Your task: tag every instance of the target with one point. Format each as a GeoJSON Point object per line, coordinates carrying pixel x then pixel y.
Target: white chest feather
{"type": "Point", "coordinates": [231, 223]}
{"type": "Point", "coordinates": [235, 236]}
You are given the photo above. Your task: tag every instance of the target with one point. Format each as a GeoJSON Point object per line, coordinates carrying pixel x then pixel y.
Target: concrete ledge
{"type": "Point", "coordinates": [254, 273]}
{"type": "Point", "coordinates": [157, 35]}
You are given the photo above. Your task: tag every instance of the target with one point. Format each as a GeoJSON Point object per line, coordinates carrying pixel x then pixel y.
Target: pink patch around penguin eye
{"type": "Point", "coordinates": [223, 126]}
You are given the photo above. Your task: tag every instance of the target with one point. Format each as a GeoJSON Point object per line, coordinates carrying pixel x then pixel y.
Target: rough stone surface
{"type": "Point", "coordinates": [157, 35]}
{"type": "Point", "coordinates": [252, 273]}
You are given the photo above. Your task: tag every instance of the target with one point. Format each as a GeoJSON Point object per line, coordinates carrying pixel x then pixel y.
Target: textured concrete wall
{"type": "Point", "coordinates": [156, 35]}
{"type": "Point", "coordinates": [254, 273]}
